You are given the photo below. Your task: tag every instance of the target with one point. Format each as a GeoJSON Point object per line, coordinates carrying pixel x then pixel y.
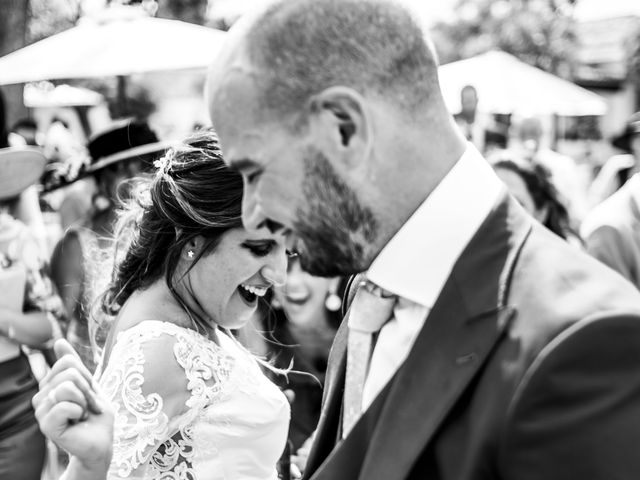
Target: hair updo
{"type": "Point", "coordinates": [193, 193]}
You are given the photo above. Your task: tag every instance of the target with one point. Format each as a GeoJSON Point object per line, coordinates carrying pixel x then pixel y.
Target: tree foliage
{"type": "Point", "coordinates": [538, 32]}
{"type": "Point", "coordinates": [48, 17]}
{"type": "Point", "coordinates": [14, 15]}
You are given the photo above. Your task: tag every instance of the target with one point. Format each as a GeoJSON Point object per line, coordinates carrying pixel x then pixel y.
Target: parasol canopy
{"type": "Point", "coordinates": [508, 85]}
{"type": "Point", "coordinates": [114, 46]}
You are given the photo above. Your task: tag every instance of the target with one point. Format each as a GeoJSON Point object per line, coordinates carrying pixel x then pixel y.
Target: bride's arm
{"type": "Point", "coordinates": [148, 390]}
{"type": "Point", "coordinates": [143, 387]}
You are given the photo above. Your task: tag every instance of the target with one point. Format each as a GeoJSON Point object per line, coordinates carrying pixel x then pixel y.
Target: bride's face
{"type": "Point", "coordinates": [227, 283]}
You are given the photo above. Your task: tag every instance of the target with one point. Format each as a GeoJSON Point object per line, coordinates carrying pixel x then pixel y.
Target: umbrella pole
{"type": "Point", "coordinates": [121, 94]}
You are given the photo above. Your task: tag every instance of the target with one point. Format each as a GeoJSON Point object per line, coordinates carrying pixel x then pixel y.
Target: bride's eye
{"type": "Point", "coordinates": [259, 249]}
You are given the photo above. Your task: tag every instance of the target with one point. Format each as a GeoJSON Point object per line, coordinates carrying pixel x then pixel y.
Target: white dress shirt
{"type": "Point", "coordinates": [417, 261]}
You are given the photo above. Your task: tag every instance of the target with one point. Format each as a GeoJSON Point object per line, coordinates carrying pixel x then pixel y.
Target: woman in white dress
{"type": "Point", "coordinates": [186, 400]}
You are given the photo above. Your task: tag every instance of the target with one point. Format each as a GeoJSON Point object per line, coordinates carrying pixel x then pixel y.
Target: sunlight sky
{"type": "Point", "coordinates": [428, 10]}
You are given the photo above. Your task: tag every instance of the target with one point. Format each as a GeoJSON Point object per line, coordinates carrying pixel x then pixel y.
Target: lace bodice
{"type": "Point", "coordinates": [188, 408]}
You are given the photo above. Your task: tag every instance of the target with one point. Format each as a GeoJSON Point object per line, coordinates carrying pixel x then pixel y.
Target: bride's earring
{"type": "Point", "coordinates": [275, 303]}
{"type": "Point", "coordinates": [333, 302]}
{"type": "Point", "coordinates": [190, 254]}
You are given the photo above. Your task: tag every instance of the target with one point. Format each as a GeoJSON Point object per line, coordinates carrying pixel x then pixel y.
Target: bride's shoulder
{"type": "Point", "coordinates": [169, 360]}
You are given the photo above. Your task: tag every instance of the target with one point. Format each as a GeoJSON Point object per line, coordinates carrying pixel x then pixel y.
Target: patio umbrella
{"type": "Point", "coordinates": [507, 85]}
{"type": "Point", "coordinates": [120, 46]}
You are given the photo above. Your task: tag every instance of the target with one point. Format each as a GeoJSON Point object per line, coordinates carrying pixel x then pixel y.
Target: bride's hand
{"type": "Point", "coordinates": [71, 411]}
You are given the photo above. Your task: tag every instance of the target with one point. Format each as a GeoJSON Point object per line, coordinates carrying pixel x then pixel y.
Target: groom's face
{"type": "Point", "coordinates": [290, 185]}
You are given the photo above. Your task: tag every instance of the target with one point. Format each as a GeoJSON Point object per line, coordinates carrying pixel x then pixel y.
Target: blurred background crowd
{"type": "Point", "coordinates": [93, 91]}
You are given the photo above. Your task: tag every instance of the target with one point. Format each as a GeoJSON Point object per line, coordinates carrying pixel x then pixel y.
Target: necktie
{"type": "Point", "coordinates": [370, 310]}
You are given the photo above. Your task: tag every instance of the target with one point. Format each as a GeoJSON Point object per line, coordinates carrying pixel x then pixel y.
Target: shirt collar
{"type": "Point", "coordinates": [417, 261]}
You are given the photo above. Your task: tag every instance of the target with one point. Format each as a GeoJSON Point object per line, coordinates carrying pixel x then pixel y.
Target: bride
{"type": "Point", "coordinates": [185, 400]}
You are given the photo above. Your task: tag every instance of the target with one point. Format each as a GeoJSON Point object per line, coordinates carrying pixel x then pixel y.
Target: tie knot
{"type": "Point", "coordinates": [372, 307]}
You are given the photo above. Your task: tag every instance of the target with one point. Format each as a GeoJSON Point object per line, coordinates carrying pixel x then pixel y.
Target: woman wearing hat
{"type": "Point", "coordinates": [619, 168]}
{"type": "Point", "coordinates": [88, 215]}
{"type": "Point", "coordinates": [123, 151]}
{"type": "Point", "coordinates": [28, 317]}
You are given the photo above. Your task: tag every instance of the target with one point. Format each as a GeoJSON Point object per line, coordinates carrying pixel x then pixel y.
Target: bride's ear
{"type": "Point", "coordinates": [192, 249]}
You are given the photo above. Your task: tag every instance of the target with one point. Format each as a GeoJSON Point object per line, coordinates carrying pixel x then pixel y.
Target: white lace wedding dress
{"type": "Point", "coordinates": [188, 408]}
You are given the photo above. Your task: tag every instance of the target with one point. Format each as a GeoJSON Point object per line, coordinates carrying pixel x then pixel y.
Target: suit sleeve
{"type": "Point", "coordinates": [608, 245]}
{"type": "Point", "coordinates": [576, 414]}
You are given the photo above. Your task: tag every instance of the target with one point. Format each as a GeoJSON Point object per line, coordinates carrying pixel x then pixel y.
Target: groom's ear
{"type": "Point", "coordinates": [340, 125]}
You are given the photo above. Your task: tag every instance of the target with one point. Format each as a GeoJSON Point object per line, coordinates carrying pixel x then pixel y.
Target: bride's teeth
{"type": "Point", "coordinates": [258, 291]}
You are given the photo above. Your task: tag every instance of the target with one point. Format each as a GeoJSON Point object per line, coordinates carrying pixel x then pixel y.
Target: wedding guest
{"type": "Point", "coordinates": [570, 179]}
{"type": "Point", "coordinates": [621, 167]}
{"type": "Point", "coordinates": [29, 314]}
{"type": "Point", "coordinates": [73, 272]}
{"type": "Point", "coordinates": [612, 231]}
{"type": "Point", "coordinates": [296, 331]}
{"type": "Point", "coordinates": [532, 185]}
{"type": "Point", "coordinates": [96, 185]}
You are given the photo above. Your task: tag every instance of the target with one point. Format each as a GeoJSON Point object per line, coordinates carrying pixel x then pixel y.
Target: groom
{"type": "Point", "coordinates": [506, 353]}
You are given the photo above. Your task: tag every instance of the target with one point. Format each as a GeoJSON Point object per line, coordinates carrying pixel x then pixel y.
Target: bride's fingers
{"type": "Point", "coordinates": [66, 362]}
{"type": "Point", "coordinates": [62, 347]}
{"type": "Point", "coordinates": [70, 375]}
{"type": "Point", "coordinates": [67, 392]}
{"type": "Point", "coordinates": [55, 421]}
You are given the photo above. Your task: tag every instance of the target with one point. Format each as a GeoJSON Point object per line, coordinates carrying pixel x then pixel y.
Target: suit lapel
{"type": "Point", "coordinates": [462, 329]}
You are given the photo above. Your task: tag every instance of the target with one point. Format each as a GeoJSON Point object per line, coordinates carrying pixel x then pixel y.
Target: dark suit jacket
{"type": "Point", "coordinates": [528, 367]}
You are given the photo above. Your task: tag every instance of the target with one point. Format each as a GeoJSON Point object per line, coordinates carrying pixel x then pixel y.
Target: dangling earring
{"type": "Point", "coordinates": [190, 254]}
{"type": "Point", "coordinates": [275, 303]}
{"type": "Point", "coordinates": [333, 302]}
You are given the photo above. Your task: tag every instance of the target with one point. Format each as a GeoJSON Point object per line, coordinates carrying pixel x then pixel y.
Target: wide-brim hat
{"type": "Point", "coordinates": [623, 140]}
{"type": "Point", "coordinates": [123, 140]}
{"type": "Point", "coordinates": [20, 167]}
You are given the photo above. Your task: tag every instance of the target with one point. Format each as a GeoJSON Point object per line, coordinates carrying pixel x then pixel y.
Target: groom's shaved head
{"type": "Point", "coordinates": [298, 48]}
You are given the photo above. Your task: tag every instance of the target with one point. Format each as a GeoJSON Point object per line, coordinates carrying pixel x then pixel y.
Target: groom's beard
{"type": "Point", "coordinates": [336, 231]}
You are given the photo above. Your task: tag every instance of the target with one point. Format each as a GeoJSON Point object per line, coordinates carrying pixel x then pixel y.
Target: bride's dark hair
{"type": "Point", "coordinates": [193, 193]}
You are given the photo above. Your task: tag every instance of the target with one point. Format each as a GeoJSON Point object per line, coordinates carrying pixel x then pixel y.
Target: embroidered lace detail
{"type": "Point", "coordinates": [148, 442]}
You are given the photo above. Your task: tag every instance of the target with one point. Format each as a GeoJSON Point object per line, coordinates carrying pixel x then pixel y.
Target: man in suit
{"type": "Point", "coordinates": [507, 354]}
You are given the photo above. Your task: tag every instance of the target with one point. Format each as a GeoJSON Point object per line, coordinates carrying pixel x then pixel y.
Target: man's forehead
{"type": "Point", "coordinates": [234, 102]}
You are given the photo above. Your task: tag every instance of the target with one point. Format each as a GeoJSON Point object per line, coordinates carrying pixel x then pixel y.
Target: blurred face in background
{"type": "Point", "coordinates": [303, 296]}
{"type": "Point", "coordinates": [518, 188]}
{"type": "Point", "coordinates": [114, 181]}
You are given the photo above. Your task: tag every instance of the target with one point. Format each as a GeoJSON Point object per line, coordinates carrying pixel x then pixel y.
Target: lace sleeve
{"type": "Point", "coordinates": [149, 391]}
